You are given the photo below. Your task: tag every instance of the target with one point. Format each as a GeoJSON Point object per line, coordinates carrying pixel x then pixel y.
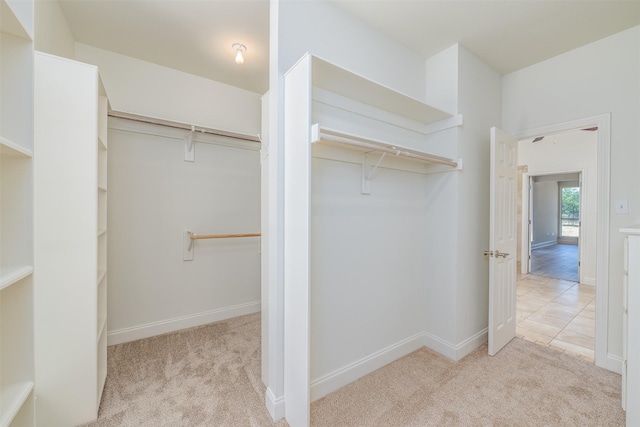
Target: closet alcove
{"type": "Point", "coordinates": [356, 160]}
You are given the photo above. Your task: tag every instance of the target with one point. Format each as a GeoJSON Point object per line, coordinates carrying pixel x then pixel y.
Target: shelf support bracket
{"type": "Point", "coordinates": [368, 171]}
{"type": "Point", "coordinates": [189, 145]}
{"type": "Point", "coordinates": [187, 246]}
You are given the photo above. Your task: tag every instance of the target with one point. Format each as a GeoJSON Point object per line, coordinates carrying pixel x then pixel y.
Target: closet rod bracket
{"type": "Point", "coordinates": [189, 145]}
{"type": "Point", "coordinates": [368, 171]}
{"type": "Point", "coordinates": [187, 246]}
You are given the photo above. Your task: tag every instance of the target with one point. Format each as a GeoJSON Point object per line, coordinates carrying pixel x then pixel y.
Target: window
{"type": "Point", "coordinates": [569, 211]}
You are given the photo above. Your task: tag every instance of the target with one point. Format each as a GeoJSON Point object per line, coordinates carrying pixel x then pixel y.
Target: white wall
{"type": "Point", "coordinates": [140, 87]}
{"type": "Point", "coordinates": [480, 99]}
{"type": "Point", "coordinates": [367, 263]}
{"type": "Point", "coordinates": [52, 33]}
{"type": "Point", "coordinates": [545, 213]}
{"type": "Point", "coordinates": [458, 209]}
{"type": "Point", "coordinates": [154, 195]}
{"type": "Point", "coordinates": [595, 79]}
{"type": "Point", "coordinates": [442, 83]}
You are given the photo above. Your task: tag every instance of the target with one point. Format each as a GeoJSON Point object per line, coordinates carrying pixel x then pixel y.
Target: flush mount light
{"type": "Point", "coordinates": [239, 48]}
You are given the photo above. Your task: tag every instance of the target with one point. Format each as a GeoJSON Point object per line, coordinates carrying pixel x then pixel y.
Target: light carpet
{"type": "Point", "coordinates": [523, 385]}
{"type": "Point", "coordinates": [203, 376]}
{"type": "Point", "coordinates": [210, 376]}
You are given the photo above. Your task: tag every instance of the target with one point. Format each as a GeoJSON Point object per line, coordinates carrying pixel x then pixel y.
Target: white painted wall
{"type": "Point", "coordinates": [442, 81]}
{"type": "Point", "coordinates": [595, 79]}
{"type": "Point", "coordinates": [480, 101]}
{"type": "Point", "coordinates": [367, 263]}
{"type": "Point", "coordinates": [264, 241]}
{"type": "Point", "coordinates": [52, 33]}
{"type": "Point", "coordinates": [458, 209]}
{"type": "Point", "coordinates": [153, 196]}
{"type": "Point", "coordinates": [140, 87]}
{"type": "Point", "coordinates": [545, 213]}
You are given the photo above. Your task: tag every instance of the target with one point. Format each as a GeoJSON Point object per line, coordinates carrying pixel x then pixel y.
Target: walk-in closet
{"type": "Point", "coordinates": [224, 212]}
{"type": "Point", "coordinates": [355, 231]}
{"type": "Point", "coordinates": [171, 186]}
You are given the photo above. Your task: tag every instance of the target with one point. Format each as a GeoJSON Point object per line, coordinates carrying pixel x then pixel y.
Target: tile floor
{"type": "Point", "coordinates": [556, 313]}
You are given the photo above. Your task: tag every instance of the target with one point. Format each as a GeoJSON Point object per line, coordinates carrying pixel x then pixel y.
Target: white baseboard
{"type": "Point", "coordinates": [320, 387]}
{"type": "Point", "coordinates": [471, 343]}
{"type": "Point", "coordinates": [441, 346]}
{"type": "Point", "coordinates": [171, 325]}
{"type": "Point", "coordinates": [614, 364]}
{"type": "Point", "coordinates": [275, 406]}
{"type": "Point", "coordinates": [455, 352]}
{"type": "Point", "coordinates": [543, 244]}
{"type": "Point", "coordinates": [591, 281]}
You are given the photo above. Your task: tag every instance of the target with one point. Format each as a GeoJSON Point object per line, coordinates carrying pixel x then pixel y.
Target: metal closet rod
{"type": "Point", "coordinates": [369, 144]}
{"type": "Point", "coordinates": [176, 125]}
{"type": "Point", "coordinates": [194, 236]}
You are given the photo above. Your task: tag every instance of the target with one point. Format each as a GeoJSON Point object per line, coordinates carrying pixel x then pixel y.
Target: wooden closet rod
{"type": "Point", "coordinates": [222, 236]}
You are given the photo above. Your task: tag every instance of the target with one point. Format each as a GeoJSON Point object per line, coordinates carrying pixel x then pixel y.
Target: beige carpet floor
{"type": "Point", "coordinates": [523, 385]}
{"type": "Point", "coordinates": [210, 376]}
{"type": "Point", "coordinates": [203, 376]}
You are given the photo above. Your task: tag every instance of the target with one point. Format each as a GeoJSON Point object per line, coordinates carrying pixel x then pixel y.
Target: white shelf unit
{"type": "Point", "coordinates": [16, 214]}
{"type": "Point", "coordinates": [352, 117]}
{"type": "Point", "coordinates": [630, 322]}
{"type": "Point", "coordinates": [103, 108]}
{"type": "Point", "coordinates": [70, 240]}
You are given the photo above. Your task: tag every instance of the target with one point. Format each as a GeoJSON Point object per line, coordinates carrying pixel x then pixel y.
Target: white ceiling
{"type": "Point", "coordinates": [195, 36]}
{"type": "Point", "coordinates": [189, 35]}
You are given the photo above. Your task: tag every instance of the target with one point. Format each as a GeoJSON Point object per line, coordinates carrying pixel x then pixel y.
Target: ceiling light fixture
{"type": "Point", "coordinates": [239, 47]}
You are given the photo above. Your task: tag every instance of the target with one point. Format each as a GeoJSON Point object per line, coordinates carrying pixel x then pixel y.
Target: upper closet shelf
{"type": "Point", "coordinates": [319, 134]}
{"type": "Point", "coordinates": [12, 397]}
{"type": "Point", "coordinates": [17, 18]}
{"type": "Point", "coordinates": [343, 82]}
{"type": "Point", "coordinates": [13, 273]}
{"type": "Point", "coordinates": [9, 148]}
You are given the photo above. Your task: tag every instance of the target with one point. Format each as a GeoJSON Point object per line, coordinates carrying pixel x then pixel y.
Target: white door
{"type": "Point", "coordinates": [502, 240]}
{"type": "Point", "coordinates": [530, 225]}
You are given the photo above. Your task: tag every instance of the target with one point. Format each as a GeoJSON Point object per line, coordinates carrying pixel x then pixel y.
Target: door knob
{"type": "Point", "coordinates": [501, 254]}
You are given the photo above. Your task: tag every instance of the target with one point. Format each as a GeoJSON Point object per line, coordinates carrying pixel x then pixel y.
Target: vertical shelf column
{"type": "Point", "coordinates": [630, 322]}
{"type": "Point", "coordinates": [297, 205]}
{"type": "Point", "coordinates": [103, 107]}
{"type": "Point", "coordinates": [16, 214]}
{"type": "Point", "coordinates": [70, 240]}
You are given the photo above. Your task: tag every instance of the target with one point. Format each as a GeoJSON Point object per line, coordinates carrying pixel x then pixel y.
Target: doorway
{"type": "Point", "coordinates": [556, 299]}
{"type": "Point", "coordinates": [554, 226]}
